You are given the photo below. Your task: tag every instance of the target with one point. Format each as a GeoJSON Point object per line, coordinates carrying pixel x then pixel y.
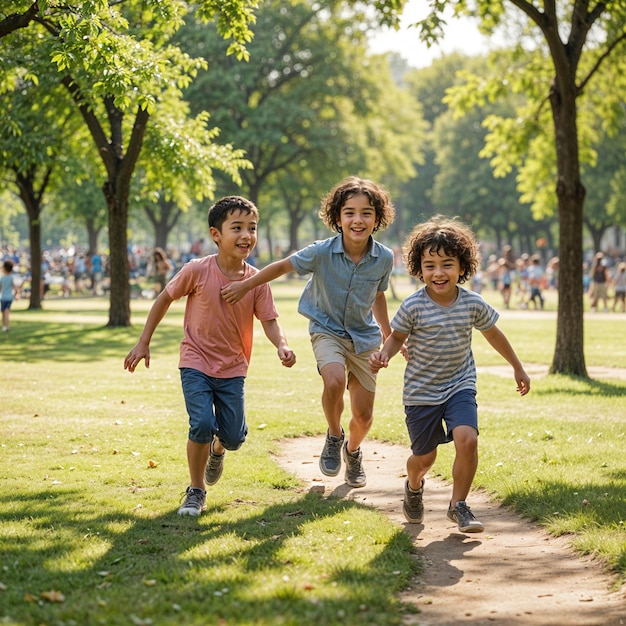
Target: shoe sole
{"type": "Point", "coordinates": [413, 520]}
{"type": "Point", "coordinates": [190, 513]}
{"type": "Point", "coordinates": [468, 529]}
{"type": "Point", "coordinates": [472, 529]}
{"type": "Point", "coordinates": [355, 484]}
{"type": "Point", "coordinates": [328, 472]}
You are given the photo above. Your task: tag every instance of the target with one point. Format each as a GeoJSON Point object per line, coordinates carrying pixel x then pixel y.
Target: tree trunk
{"type": "Point", "coordinates": [92, 235]}
{"type": "Point", "coordinates": [32, 201]}
{"type": "Point", "coordinates": [34, 236]}
{"type": "Point", "coordinates": [119, 303]}
{"type": "Point", "coordinates": [295, 219]}
{"type": "Point", "coordinates": [163, 221]}
{"type": "Point", "coordinates": [569, 356]}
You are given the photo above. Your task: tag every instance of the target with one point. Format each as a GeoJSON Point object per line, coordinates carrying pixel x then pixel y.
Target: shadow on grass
{"type": "Point", "coordinates": [34, 342]}
{"type": "Point", "coordinates": [575, 386]}
{"type": "Point", "coordinates": [118, 568]}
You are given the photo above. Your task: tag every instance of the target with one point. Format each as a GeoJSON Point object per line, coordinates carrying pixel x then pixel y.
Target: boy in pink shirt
{"type": "Point", "coordinates": [217, 343]}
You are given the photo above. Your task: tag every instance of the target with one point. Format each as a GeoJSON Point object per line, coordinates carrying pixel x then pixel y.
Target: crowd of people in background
{"type": "Point", "coordinates": [521, 280]}
{"type": "Point", "coordinates": [76, 272]}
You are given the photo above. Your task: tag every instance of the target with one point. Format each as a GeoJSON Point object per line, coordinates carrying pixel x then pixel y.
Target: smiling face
{"type": "Point", "coordinates": [237, 235]}
{"type": "Point", "coordinates": [440, 273]}
{"type": "Point", "coordinates": [357, 219]}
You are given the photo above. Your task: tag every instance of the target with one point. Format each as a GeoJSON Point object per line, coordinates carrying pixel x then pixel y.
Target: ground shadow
{"type": "Point", "coordinates": [173, 570]}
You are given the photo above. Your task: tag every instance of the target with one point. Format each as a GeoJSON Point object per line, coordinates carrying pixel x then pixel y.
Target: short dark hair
{"type": "Point", "coordinates": [227, 205]}
{"type": "Point", "coordinates": [8, 265]}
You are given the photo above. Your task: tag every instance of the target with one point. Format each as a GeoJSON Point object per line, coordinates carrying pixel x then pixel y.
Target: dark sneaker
{"type": "Point", "coordinates": [355, 476]}
{"type": "Point", "coordinates": [214, 467]}
{"type": "Point", "coordinates": [413, 506]}
{"type": "Point", "coordinates": [463, 516]}
{"type": "Point", "coordinates": [195, 502]}
{"type": "Point", "coordinates": [330, 459]}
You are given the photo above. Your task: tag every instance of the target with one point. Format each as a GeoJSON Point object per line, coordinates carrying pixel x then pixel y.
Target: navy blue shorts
{"type": "Point", "coordinates": [430, 426]}
{"type": "Point", "coordinates": [215, 407]}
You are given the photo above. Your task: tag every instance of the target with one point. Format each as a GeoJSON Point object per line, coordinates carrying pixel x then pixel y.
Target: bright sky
{"type": "Point", "coordinates": [460, 36]}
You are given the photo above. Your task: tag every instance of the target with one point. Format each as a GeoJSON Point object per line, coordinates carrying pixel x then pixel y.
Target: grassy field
{"type": "Point", "coordinates": [93, 468]}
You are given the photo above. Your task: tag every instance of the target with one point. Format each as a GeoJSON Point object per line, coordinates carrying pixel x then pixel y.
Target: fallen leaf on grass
{"type": "Point", "coordinates": [152, 463]}
{"type": "Point", "coordinates": [53, 596]}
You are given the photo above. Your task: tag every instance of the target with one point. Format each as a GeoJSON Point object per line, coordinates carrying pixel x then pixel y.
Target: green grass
{"type": "Point", "coordinates": [93, 465]}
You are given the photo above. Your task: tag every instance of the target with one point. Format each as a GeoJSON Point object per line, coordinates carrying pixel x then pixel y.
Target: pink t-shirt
{"type": "Point", "coordinates": [217, 335]}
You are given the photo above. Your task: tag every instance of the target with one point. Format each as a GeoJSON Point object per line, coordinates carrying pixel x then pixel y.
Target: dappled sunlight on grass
{"type": "Point", "coordinates": [94, 467]}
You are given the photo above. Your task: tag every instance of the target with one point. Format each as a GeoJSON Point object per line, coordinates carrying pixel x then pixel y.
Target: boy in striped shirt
{"type": "Point", "coordinates": [439, 395]}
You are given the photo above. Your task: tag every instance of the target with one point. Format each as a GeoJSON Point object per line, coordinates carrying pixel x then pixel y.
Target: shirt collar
{"type": "Point", "coordinates": [337, 246]}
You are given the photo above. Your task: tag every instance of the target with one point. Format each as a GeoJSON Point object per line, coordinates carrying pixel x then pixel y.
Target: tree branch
{"type": "Point", "coordinates": [15, 21]}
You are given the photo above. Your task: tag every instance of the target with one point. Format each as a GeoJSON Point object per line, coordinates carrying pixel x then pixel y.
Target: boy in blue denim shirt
{"type": "Point", "coordinates": [345, 303]}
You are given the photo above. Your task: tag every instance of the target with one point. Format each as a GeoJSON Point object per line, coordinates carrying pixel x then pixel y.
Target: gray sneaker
{"type": "Point", "coordinates": [355, 476]}
{"type": "Point", "coordinates": [330, 459]}
{"type": "Point", "coordinates": [195, 502]}
{"type": "Point", "coordinates": [463, 516]}
{"type": "Point", "coordinates": [413, 506]}
{"type": "Point", "coordinates": [214, 467]}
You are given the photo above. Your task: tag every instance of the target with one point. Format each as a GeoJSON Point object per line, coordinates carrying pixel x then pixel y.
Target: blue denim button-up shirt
{"type": "Point", "coordinates": [338, 298]}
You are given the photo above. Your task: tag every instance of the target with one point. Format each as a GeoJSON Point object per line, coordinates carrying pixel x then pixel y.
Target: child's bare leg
{"type": "Point", "coordinates": [417, 467]}
{"type": "Point", "coordinates": [334, 378]}
{"type": "Point", "coordinates": [362, 404]}
{"type": "Point", "coordinates": [465, 462]}
{"type": "Point", "coordinates": [197, 457]}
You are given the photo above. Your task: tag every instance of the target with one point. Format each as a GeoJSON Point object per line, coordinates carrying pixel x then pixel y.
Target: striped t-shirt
{"type": "Point", "coordinates": [440, 344]}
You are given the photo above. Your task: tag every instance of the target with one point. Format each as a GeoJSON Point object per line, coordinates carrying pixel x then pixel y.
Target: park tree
{"type": "Point", "coordinates": [309, 98]}
{"type": "Point", "coordinates": [116, 63]}
{"type": "Point", "coordinates": [553, 64]}
{"type": "Point", "coordinates": [37, 126]}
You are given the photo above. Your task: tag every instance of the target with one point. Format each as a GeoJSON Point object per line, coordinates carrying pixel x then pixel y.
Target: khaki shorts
{"type": "Point", "coordinates": [332, 349]}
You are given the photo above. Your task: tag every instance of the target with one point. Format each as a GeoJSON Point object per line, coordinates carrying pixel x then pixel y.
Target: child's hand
{"type": "Point", "coordinates": [233, 292]}
{"type": "Point", "coordinates": [377, 361]}
{"type": "Point", "coordinates": [133, 358]}
{"type": "Point", "coordinates": [523, 382]}
{"type": "Point", "coordinates": [287, 357]}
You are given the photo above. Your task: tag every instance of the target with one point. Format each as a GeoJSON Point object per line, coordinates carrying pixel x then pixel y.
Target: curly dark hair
{"type": "Point", "coordinates": [442, 233]}
{"type": "Point", "coordinates": [335, 199]}
{"type": "Point", "coordinates": [227, 205]}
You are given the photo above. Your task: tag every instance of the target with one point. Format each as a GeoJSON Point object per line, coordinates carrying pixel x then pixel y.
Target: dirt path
{"type": "Point", "coordinates": [512, 574]}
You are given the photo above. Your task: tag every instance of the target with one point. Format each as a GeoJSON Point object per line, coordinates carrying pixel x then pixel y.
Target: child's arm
{"type": "Point", "coordinates": [501, 344]}
{"type": "Point", "coordinates": [392, 346]}
{"type": "Point", "coordinates": [381, 314]}
{"type": "Point", "coordinates": [274, 332]}
{"type": "Point", "coordinates": [142, 349]}
{"type": "Point", "coordinates": [233, 292]}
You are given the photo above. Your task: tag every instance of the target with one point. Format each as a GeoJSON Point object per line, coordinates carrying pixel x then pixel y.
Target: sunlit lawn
{"type": "Point", "coordinates": [93, 466]}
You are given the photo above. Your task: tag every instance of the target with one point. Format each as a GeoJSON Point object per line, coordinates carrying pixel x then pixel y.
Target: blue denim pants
{"type": "Point", "coordinates": [215, 407]}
